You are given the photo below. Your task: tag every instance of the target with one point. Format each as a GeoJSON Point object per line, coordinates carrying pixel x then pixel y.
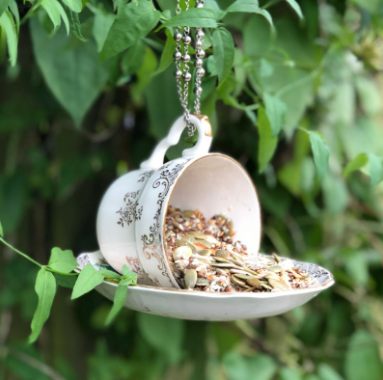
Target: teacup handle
{"type": "Point", "coordinates": [201, 148]}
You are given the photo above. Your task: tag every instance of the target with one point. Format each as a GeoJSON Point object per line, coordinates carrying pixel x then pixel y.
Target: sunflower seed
{"type": "Point", "coordinates": [222, 253]}
{"type": "Point", "coordinates": [239, 282]}
{"type": "Point", "coordinates": [243, 276]}
{"type": "Point", "coordinates": [254, 282]}
{"type": "Point", "coordinates": [198, 235]}
{"type": "Point", "coordinates": [277, 259]}
{"type": "Point", "coordinates": [222, 260]}
{"type": "Point", "coordinates": [275, 268]}
{"type": "Point", "coordinates": [203, 282]}
{"type": "Point", "coordinates": [190, 278]}
{"type": "Point", "coordinates": [223, 265]}
{"type": "Point", "coordinates": [278, 284]}
{"type": "Point", "coordinates": [206, 243]}
{"type": "Point", "coordinates": [205, 252]}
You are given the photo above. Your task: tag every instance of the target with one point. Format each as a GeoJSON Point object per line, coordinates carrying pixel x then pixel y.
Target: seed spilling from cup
{"type": "Point", "coordinates": [205, 257]}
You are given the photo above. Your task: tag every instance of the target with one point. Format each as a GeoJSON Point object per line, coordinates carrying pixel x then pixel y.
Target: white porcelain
{"type": "Point", "coordinates": [130, 221]}
{"type": "Point", "coordinates": [185, 304]}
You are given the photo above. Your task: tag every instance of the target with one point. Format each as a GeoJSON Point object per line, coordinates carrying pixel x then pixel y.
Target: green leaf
{"type": "Point", "coordinates": [267, 142]}
{"type": "Point", "coordinates": [275, 111]}
{"type": "Point", "coordinates": [15, 11]}
{"type": "Point", "coordinates": [164, 334]}
{"type": "Point", "coordinates": [326, 372]}
{"type": "Point", "coordinates": [4, 5]}
{"type": "Point", "coordinates": [335, 194]}
{"type": "Point", "coordinates": [358, 162]}
{"type": "Point", "coordinates": [45, 288]}
{"type": "Point", "coordinates": [362, 357]}
{"type": "Point", "coordinates": [167, 53]}
{"type": "Point", "coordinates": [195, 18]}
{"type": "Point", "coordinates": [103, 21]}
{"type": "Point", "coordinates": [119, 300]}
{"type": "Point", "coordinates": [321, 153]}
{"type": "Point", "coordinates": [296, 8]}
{"type": "Point", "coordinates": [250, 6]}
{"type": "Point", "coordinates": [376, 169]}
{"type": "Point", "coordinates": [1, 231]}
{"type": "Point", "coordinates": [133, 58]}
{"type": "Point", "coordinates": [52, 7]}
{"type": "Point", "coordinates": [109, 273]}
{"type": "Point", "coordinates": [62, 261]}
{"type": "Point", "coordinates": [88, 279]}
{"type": "Point", "coordinates": [74, 24]}
{"type": "Point", "coordinates": [287, 373]}
{"type": "Point", "coordinates": [8, 26]}
{"type": "Point", "coordinates": [127, 274]}
{"type": "Point", "coordinates": [134, 22]}
{"type": "Point", "coordinates": [239, 368]}
{"type": "Point", "coordinates": [73, 74]}
{"type": "Point", "coordinates": [223, 46]}
{"type": "Point", "coordinates": [74, 5]}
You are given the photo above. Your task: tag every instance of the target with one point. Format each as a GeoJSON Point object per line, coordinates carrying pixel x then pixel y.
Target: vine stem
{"type": "Point", "coordinates": [20, 253]}
{"type": "Point", "coordinates": [35, 262]}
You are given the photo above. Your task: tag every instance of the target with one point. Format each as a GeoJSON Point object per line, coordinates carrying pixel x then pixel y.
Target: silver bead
{"type": "Point", "coordinates": [186, 58]}
{"type": "Point", "coordinates": [198, 91]}
{"type": "Point", "coordinates": [201, 53]}
{"type": "Point", "coordinates": [198, 63]}
{"type": "Point", "coordinates": [178, 37]}
{"type": "Point", "coordinates": [187, 40]}
{"type": "Point", "coordinates": [198, 44]}
{"type": "Point", "coordinates": [177, 55]}
{"type": "Point", "coordinates": [178, 74]}
{"type": "Point", "coordinates": [187, 77]}
{"type": "Point", "coordinates": [200, 34]}
{"type": "Point", "coordinates": [200, 72]}
{"type": "Point", "coordinates": [200, 5]}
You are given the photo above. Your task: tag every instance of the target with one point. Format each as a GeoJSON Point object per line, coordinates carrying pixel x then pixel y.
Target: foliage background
{"type": "Point", "coordinates": [69, 124]}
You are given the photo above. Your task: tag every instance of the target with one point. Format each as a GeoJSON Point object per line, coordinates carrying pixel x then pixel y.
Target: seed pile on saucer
{"type": "Point", "coordinates": [204, 256]}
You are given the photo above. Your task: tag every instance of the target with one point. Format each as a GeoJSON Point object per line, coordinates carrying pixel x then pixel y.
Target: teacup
{"type": "Point", "coordinates": [131, 217]}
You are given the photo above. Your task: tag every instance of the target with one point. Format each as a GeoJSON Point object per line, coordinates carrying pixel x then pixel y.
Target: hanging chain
{"type": "Point", "coordinates": [182, 73]}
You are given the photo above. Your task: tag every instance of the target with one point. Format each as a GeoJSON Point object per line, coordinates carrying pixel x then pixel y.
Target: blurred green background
{"type": "Point", "coordinates": [324, 68]}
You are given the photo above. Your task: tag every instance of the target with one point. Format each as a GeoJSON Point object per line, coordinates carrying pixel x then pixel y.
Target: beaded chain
{"type": "Point", "coordinates": [182, 73]}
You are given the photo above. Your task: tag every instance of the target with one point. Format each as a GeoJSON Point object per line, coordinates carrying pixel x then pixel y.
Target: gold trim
{"type": "Point", "coordinates": [205, 124]}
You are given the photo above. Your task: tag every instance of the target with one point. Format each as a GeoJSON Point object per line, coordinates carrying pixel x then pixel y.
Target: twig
{"type": "Point", "coordinates": [36, 364]}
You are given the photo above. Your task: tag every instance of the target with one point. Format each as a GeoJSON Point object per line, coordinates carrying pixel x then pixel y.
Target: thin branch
{"type": "Point", "coordinates": [37, 364]}
{"type": "Point", "coordinates": [20, 253]}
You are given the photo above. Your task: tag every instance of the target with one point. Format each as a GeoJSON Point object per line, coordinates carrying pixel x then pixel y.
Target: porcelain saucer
{"type": "Point", "coordinates": [205, 306]}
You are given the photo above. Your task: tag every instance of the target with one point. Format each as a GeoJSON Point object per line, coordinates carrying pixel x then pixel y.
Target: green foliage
{"type": "Point", "coordinates": [223, 46]}
{"type": "Point", "coordinates": [62, 261]}
{"type": "Point", "coordinates": [197, 18]}
{"type": "Point", "coordinates": [45, 288]}
{"type": "Point", "coordinates": [163, 334]}
{"type": "Point", "coordinates": [298, 104]}
{"type": "Point", "coordinates": [363, 357]}
{"type": "Point", "coordinates": [7, 26]}
{"type": "Point", "coordinates": [88, 279]}
{"type": "Point", "coordinates": [321, 153]}
{"type": "Point", "coordinates": [128, 278]}
{"type": "Point", "coordinates": [132, 23]}
{"type": "Point", "coordinates": [75, 76]}
{"type": "Point", "coordinates": [267, 142]}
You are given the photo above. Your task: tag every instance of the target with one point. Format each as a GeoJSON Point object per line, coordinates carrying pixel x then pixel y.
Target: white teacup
{"type": "Point", "coordinates": [131, 217]}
